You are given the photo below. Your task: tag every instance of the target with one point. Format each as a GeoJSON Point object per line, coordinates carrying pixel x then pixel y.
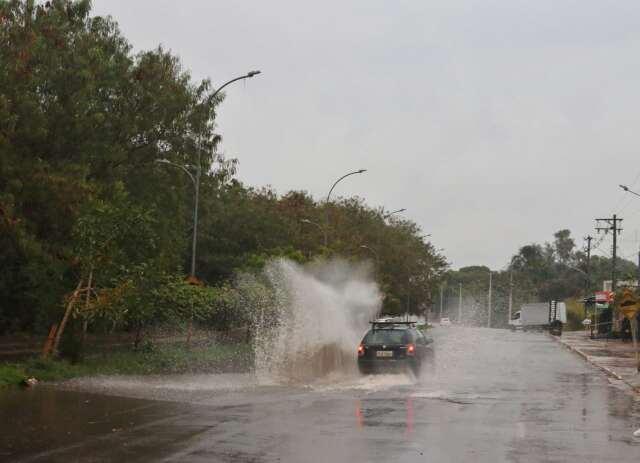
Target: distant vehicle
{"type": "Point", "coordinates": [444, 321]}
{"type": "Point", "coordinates": [391, 345]}
{"type": "Point", "coordinates": [550, 315]}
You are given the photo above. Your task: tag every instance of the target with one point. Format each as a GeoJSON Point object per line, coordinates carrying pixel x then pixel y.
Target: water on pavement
{"type": "Point", "coordinates": [487, 395]}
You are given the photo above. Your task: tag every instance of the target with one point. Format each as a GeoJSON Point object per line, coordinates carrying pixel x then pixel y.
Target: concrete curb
{"type": "Point", "coordinates": [606, 370]}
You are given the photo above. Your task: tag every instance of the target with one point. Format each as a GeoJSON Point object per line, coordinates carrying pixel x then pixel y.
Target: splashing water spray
{"type": "Point", "coordinates": [313, 319]}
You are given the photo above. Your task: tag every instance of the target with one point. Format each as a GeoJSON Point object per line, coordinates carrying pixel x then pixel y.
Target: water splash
{"type": "Point", "coordinates": [314, 319]}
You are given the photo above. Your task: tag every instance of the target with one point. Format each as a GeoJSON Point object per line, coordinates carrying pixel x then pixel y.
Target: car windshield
{"type": "Point", "coordinates": [387, 337]}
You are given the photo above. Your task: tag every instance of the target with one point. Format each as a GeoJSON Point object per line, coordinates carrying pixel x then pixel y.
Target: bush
{"type": "Point", "coordinates": [11, 375]}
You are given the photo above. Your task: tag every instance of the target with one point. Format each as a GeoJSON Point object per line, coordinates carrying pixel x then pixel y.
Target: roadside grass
{"type": "Point", "coordinates": [165, 359]}
{"type": "Point", "coordinates": [11, 375]}
{"type": "Point", "coordinates": [575, 315]}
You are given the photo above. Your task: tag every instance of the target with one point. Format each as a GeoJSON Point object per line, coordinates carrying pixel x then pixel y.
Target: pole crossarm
{"type": "Point", "coordinates": [613, 223]}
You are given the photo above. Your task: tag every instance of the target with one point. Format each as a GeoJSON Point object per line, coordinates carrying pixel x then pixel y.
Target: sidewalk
{"type": "Point", "coordinates": [614, 357]}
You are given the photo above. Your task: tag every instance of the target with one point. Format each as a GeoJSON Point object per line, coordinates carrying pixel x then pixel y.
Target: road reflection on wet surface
{"type": "Point", "coordinates": [487, 395]}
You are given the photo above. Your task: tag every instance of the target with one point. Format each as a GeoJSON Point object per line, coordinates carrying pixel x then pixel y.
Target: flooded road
{"type": "Point", "coordinates": [488, 395]}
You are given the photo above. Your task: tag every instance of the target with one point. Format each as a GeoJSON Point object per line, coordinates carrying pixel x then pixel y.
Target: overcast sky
{"type": "Point", "coordinates": [495, 123]}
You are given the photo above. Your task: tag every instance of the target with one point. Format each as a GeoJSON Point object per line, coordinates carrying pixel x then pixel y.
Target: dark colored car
{"type": "Point", "coordinates": [392, 346]}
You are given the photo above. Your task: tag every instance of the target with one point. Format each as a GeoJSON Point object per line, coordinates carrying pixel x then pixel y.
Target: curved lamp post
{"type": "Point", "coordinates": [374, 252]}
{"type": "Point", "coordinates": [248, 75]}
{"type": "Point", "coordinates": [326, 214]}
{"type": "Point", "coordinates": [386, 216]}
{"type": "Point", "coordinates": [311, 222]}
{"type": "Point", "coordinates": [195, 178]}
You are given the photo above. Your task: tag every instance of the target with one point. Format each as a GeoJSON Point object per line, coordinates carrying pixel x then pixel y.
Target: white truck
{"type": "Point", "coordinates": [550, 315]}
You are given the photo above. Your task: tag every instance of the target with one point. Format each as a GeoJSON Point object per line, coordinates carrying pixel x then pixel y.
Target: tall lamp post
{"type": "Point", "coordinates": [311, 222]}
{"type": "Point", "coordinates": [315, 224]}
{"type": "Point", "coordinates": [384, 219]}
{"type": "Point", "coordinates": [371, 250]}
{"type": "Point", "coordinates": [195, 176]}
{"type": "Point", "coordinates": [326, 214]}
{"type": "Point", "coordinates": [628, 190]}
{"type": "Point", "coordinates": [195, 179]}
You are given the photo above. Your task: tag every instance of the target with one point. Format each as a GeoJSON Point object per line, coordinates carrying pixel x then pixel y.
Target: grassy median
{"type": "Point", "coordinates": [166, 359]}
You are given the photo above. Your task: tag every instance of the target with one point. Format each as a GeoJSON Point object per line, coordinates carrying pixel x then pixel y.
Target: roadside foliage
{"type": "Point", "coordinates": [92, 228]}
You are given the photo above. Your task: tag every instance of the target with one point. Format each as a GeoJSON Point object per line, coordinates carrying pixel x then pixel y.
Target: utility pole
{"type": "Point", "coordinates": [510, 292]}
{"type": "Point", "coordinates": [441, 297]}
{"type": "Point", "coordinates": [613, 225]}
{"type": "Point", "coordinates": [489, 317]}
{"type": "Point", "coordinates": [587, 282]}
{"type": "Point", "coordinates": [460, 303]}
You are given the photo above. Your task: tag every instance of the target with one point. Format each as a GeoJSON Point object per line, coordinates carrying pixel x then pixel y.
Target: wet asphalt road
{"type": "Point", "coordinates": [487, 396]}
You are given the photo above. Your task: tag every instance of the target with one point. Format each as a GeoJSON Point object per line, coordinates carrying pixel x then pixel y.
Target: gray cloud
{"type": "Point", "coordinates": [494, 123]}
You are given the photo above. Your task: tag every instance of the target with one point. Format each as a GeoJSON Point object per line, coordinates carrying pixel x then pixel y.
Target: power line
{"type": "Point", "coordinates": [605, 253]}
{"type": "Point", "coordinates": [598, 242]}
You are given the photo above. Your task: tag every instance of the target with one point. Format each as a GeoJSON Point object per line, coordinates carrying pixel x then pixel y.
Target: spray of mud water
{"type": "Point", "coordinates": [314, 320]}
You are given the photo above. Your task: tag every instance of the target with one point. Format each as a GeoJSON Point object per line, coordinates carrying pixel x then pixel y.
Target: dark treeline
{"type": "Point", "coordinates": [540, 272]}
{"type": "Point", "coordinates": [92, 226]}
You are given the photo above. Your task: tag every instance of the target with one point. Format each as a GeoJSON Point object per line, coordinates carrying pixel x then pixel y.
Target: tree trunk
{"type": "Point", "coordinates": [65, 318]}
{"type": "Point", "coordinates": [189, 332]}
{"type": "Point", "coordinates": [136, 341]}
{"type": "Point", "coordinates": [85, 322]}
{"type": "Point", "coordinates": [46, 350]}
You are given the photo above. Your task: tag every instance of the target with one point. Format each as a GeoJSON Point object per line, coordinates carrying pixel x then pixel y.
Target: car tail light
{"type": "Point", "coordinates": [360, 350]}
{"type": "Point", "coordinates": [411, 349]}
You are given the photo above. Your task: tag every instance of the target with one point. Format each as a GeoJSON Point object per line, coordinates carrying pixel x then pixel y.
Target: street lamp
{"type": "Point", "coordinates": [248, 75]}
{"type": "Point", "coordinates": [628, 190]}
{"type": "Point", "coordinates": [195, 179]}
{"type": "Point", "coordinates": [585, 274]}
{"type": "Point", "coordinates": [326, 214]}
{"type": "Point", "coordinates": [386, 216]}
{"type": "Point", "coordinates": [375, 253]}
{"type": "Point", "coordinates": [311, 222]}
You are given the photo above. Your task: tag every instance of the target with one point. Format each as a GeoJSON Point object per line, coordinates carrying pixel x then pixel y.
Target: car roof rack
{"type": "Point", "coordinates": [387, 325]}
